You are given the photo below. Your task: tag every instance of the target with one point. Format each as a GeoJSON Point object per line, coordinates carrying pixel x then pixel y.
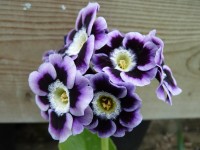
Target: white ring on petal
{"type": "Point", "coordinates": [100, 112]}
{"type": "Point", "coordinates": [79, 39]}
{"type": "Point", "coordinates": [54, 99]}
{"type": "Point", "coordinates": [122, 52]}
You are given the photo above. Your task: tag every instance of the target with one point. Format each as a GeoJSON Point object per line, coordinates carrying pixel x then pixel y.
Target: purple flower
{"type": "Point", "coordinates": [116, 108]}
{"type": "Point", "coordinates": [159, 57]}
{"type": "Point", "coordinates": [45, 57]}
{"type": "Point", "coordinates": [130, 58]}
{"type": "Point", "coordinates": [167, 86]}
{"type": "Point", "coordinates": [63, 95]}
{"type": "Point", "coordinates": [89, 34]}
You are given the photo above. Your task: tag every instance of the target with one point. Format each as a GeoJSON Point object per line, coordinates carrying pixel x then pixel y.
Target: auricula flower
{"type": "Point", "coordinates": [167, 84]}
{"type": "Point", "coordinates": [116, 108]}
{"type": "Point", "coordinates": [128, 58]}
{"type": "Point", "coordinates": [89, 34]}
{"type": "Point", "coordinates": [63, 95]}
{"type": "Point", "coordinates": [45, 57]}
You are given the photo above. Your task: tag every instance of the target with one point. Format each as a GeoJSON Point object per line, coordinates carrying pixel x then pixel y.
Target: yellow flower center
{"type": "Point", "coordinates": [123, 59]}
{"type": "Point", "coordinates": [122, 64]}
{"type": "Point", "coordinates": [64, 98]}
{"type": "Point", "coordinates": [59, 97]}
{"type": "Point", "coordinates": [106, 103]}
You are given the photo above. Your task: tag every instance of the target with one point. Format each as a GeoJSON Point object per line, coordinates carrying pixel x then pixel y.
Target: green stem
{"type": "Point", "coordinates": [104, 143]}
{"type": "Point", "coordinates": [180, 138]}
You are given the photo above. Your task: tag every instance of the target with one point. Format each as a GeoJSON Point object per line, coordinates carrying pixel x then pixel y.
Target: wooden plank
{"type": "Point", "coordinates": [26, 34]}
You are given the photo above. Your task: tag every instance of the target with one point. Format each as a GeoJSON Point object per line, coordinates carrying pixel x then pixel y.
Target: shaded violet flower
{"type": "Point", "coordinates": [45, 57]}
{"type": "Point", "coordinates": [89, 34]}
{"type": "Point", "coordinates": [63, 95]}
{"type": "Point", "coordinates": [159, 57]}
{"type": "Point", "coordinates": [167, 84]}
{"type": "Point", "coordinates": [132, 57]}
{"type": "Point", "coordinates": [116, 108]}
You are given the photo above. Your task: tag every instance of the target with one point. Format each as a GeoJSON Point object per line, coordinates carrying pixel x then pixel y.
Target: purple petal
{"type": "Point", "coordinates": [130, 87]}
{"type": "Point", "coordinates": [133, 41]}
{"type": "Point", "coordinates": [87, 118]}
{"type": "Point", "coordinates": [152, 33]}
{"type": "Point", "coordinates": [46, 55]}
{"type": "Point", "coordinates": [130, 119]}
{"type": "Point", "coordinates": [80, 95]}
{"type": "Point", "coordinates": [139, 78]}
{"type": "Point", "coordinates": [83, 60]}
{"type": "Point", "coordinates": [115, 39]}
{"type": "Point", "coordinates": [62, 50]}
{"type": "Point", "coordinates": [163, 94]}
{"type": "Point", "coordinates": [131, 102]}
{"type": "Point", "coordinates": [100, 82]}
{"type": "Point", "coordinates": [47, 68]}
{"type": "Point", "coordinates": [79, 24]}
{"type": "Point", "coordinates": [113, 74]}
{"type": "Point", "coordinates": [42, 102]}
{"type": "Point", "coordinates": [70, 68]}
{"type": "Point", "coordinates": [45, 115]}
{"type": "Point", "coordinates": [39, 81]}
{"type": "Point", "coordinates": [77, 127]}
{"type": "Point", "coordinates": [146, 60]}
{"type": "Point", "coordinates": [65, 68]}
{"type": "Point", "coordinates": [60, 126]}
{"type": "Point", "coordinates": [56, 59]}
{"type": "Point", "coordinates": [159, 58]}
{"type": "Point", "coordinates": [120, 131]}
{"type": "Point", "coordinates": [100, 40]}
{"type": "Point", "coordinates": [100, 61]}
{"type": "Point", "coordinates": [105, 128]}
{"type": "Point", "coordinates": [93, 124]}
{"type": "Point", "coordinates": [99, 25]}
{"type": "Point", "coordinates": [105, 49]}
{"type": "Point", "coordinates": [69, 37]}
{"type": "Point", "coordinates": [160, 92]}
{"type": "Point", "coordinates": [170, 81]}
{"type": "Point", "coordinates": [89, 16]}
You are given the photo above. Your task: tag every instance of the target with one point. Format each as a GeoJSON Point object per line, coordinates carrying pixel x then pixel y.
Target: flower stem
{"type": "Point", "coordinates": [104, 143]}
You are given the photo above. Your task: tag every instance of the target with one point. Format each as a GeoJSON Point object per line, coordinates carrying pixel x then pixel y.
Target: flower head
{"type": "Point", "coordinates": [167, 84]}
{"type": "Point", "coordinates": [63, 95]}
{"type": "Point", "coordinates": [129, 58]}
{"type": "Point", "coordinates": [45, 57]}
{"type": "Point", "coordinates": [89, 34]}
{"type": "Point", "coordinates": [116, 108]}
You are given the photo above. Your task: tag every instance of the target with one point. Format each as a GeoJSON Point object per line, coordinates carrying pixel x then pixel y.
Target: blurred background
{"type": "Point", "coordinates": [29, 28]}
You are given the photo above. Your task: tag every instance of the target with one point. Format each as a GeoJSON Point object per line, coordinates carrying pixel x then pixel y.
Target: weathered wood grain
{"type": "Point", "coordinates": [26, 34]}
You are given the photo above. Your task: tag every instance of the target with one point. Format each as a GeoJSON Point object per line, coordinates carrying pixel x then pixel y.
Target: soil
{"type": "Point", "coordinates": [161, 135]}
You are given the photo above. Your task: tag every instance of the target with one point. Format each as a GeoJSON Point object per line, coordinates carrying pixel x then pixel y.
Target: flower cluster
{"type": "Point", "coordinates": [90, 82]}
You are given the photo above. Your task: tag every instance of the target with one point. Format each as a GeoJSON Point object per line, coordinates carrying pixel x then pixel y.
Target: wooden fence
{"type": "Point", "coordinates": [28, 28]}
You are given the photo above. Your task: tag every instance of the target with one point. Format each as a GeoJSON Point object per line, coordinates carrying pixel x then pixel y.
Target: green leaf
{"type": "Point", "coordinates": [84, 141]}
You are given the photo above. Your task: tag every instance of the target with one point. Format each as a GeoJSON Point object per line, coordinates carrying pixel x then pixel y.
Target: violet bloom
{"type": "Point", "coordinates": [168, 86]}
{"type": "Point", "coordinates": [130, 58]}
{"type": "Point", "coordinates": [45, 57]}
{"type": "Point", "coordinates": [63, 95]}
{"type": "Point", "coordinates": [89, 34]}
{"type": "Point", "coordinates": [116, 108]}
